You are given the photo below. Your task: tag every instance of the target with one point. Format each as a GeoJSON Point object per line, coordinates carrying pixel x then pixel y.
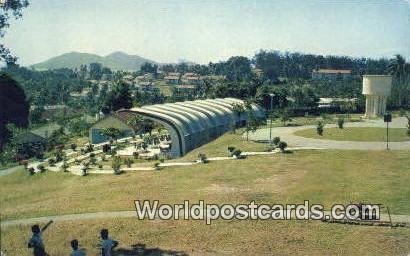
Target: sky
{"type": "Point", "coordinates": [210, 30]}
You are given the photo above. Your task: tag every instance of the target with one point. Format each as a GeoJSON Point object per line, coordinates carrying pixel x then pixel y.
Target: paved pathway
{"type": "Point", "coordinates": [287, 134]}
{"type": "Point", "coordinates": [10, 170]}
{"type": "Point", "coordinates": [131, 214]}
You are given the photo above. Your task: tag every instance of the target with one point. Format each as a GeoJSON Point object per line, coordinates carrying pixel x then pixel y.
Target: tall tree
{"type": "Point", "coordinates": [96, 70]}
{"type": "Point", "coordinates": [400, 70]}
{"type": "Point", "coordinates": [117, 99]}
{"type": "Point", "coordinates": [8, 9]}
{"type": "Point", "coordinates": [13, 106]}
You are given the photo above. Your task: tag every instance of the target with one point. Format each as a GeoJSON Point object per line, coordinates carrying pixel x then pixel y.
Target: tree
{"type": "Point", "coordinates": [13, 106]}
{"type": "Point", "coordinates": [252, 124]}
{"type": "Point", "coordinates": [95, 70]}
{"type": "Point", "coordinates": [276, 141]}
{"type": "Point", "coordinates": [149, 68]}
{"type": "Point", "coordinates": [305, 97]}
{"type": "Point", "coordinates": [282, 146]}
{"type": "Point", "coordinates": [8, 9]}
{"type": "Point", "coordinates": [400, 70]}
{"type": "Point", "coordinates": [340, 122]}
{"type": "Point", "coordinates": [284, 116]}
{"type": "Point", "coordinates": [269, 63]}
{"type": "Point", "coordinates": [238, 68]}
{"type": "Point", "coordinates": [320, 128]}
{"type": "Point", "coordinates": [111, 133]}
{"type": "Point", "coordinates": [117, 99]}
{"type": "Point", "coordinates": [238, 109]}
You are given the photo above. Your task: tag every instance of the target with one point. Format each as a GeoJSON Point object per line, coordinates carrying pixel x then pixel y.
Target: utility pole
{"type": "Point", "coordinates": [271, 117]}
{"type": "Point", "coordinates": [387, 120]}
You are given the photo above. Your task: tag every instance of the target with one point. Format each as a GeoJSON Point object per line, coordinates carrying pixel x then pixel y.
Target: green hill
{"type": "Point", "coordinates": [115, 61]}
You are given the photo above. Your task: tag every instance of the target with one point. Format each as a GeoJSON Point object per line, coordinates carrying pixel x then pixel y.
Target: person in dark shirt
{"type": "Point", "coordinates": [36, 240]}
{"type": "Point", "coordinates": [107, 244]}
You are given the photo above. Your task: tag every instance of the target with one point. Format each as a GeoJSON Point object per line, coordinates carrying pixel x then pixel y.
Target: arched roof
{"type": "Point", "coordinates": [193, 123]}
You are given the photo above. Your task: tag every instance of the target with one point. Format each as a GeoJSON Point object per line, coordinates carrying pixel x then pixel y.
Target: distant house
{"type": "Point", "coordinates": [329, 102]}
{"type": "Point", "coordinates": [146, 87]}
{"type": "Point", "coordinates": [331, 74]}
{"type": "Point", "coordinates": [81, 94]}
{"type": "Point", "coordinates": [118, 121]}
{"type": "Point", "coordinates": [33, 142]}
{"type": "Point", "coordinates": [190, 78]}
{"type": "Point", "coordinates": [171, 79]}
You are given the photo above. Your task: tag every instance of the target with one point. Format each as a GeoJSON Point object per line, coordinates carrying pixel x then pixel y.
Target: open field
{"type": "Point", "coordinates": [357, 134]}
{"type": "Point", "coordinates": [220, 238]}
{"type": "Point", "coordinates": [321, 176]}
{"type": "Point", "coordinates": [326, 177]}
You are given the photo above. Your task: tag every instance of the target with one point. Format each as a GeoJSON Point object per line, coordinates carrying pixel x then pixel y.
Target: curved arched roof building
{"type": "Point", "coordinates": [194, 123]}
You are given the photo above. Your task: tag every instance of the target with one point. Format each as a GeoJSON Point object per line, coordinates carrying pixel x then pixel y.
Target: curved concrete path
{"type": "Point", "coordinates": [287, 134]}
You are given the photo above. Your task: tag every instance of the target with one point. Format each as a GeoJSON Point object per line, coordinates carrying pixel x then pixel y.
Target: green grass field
{"type": "Point", "coordinates": [325, 177]}
{"type": "Point", "coordinates": [357, 134]}
{"type": "Point", "coordinates": [220, 238]}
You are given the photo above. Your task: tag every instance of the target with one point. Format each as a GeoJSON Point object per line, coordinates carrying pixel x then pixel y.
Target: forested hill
{"type": "Point", "coordinates": [114, 61]}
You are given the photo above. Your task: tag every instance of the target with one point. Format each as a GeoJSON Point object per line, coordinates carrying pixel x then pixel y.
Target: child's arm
{"type": "Point", "coordinates": [115, 244]}
{"type": "Point", "coordinates": [46, 226]}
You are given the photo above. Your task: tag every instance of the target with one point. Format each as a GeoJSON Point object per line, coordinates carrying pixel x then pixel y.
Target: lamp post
{"type": "Point", "coordinates": [271, 116]}
{"type": "Point", "coordinates": [387, 120]}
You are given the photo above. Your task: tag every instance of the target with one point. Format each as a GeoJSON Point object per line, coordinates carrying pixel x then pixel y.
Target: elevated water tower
{"type": "Point", "coordinates": [376, 88]}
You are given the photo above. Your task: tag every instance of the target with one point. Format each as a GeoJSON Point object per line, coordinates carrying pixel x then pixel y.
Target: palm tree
{"type": "Point", "coordinates": [400, 70]}
{"type": "Point", "coordinates": [238, 109]}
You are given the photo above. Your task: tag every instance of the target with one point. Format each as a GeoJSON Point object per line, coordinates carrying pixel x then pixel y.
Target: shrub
{"type": "Point", "coordinates": [319, 128]}
{"type": "Point", "coordinates": [51, 161]}
{"type": "Point", "coordinates": [282, 145]}
{"type": "Point", "coordinates": [202, 158]}
{"type": "Point", "coordinates": [64, 167]}
{"type": "Point", "coordinates": [135, 155]}
{"type": "Point", "coordinates": [408, 125]}
{"type": "Point", "coordinates": [73, 146]}
{"type": "Point", "coordinates": [276, 141]}
{"type": "Point", "coordinates": [41, 168]}
{"type": "Point", "coordinates": [59, 155]}
{"type": "Point", "coordinates": [157, 166]}
{"type": "Point", "coordinates": [402, 112]}
{"type": "Point", "coordinates": [116, 164]}
{"type": "Point", "coordinates": [90, 148]}
{"type": "Point", "coordinates": [128, 162]}
{"type": "Point", "coordinates": [231, 150]}
{"type": "Point", "coordinates": [100, 166]}
{"type": "Point", "coordinates": [106, 148]}
{"type": "Point", "coordinates": [340, 122]}
{"type": "Point", "coordinates": [238, 154]}
{"type": "Point", "coordinates": [30, 171]}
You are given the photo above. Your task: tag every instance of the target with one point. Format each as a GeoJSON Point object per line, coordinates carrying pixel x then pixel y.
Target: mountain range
{"type": "Point", "coordinates": [114, 61]}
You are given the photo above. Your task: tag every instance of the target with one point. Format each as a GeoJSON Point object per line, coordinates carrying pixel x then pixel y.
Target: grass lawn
{"type": "Point", "coordinates": [220, 238]}
{"type": "Point", "coordinates": [357, 134]}
{"type": "Point", "coordinates": [219, 147]}
{"type": "Point", "coordinates": [312, 120]}
{"type": "Point", "coordinates": [325, 177]}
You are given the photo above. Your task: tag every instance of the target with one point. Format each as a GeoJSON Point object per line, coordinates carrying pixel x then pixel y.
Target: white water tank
{"type": "Point", "coordinates": [376, 88]}
{"type": "Point", "coordinates": [377, 85]}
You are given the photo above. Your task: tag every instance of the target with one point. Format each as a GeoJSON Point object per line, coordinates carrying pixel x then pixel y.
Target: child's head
{"type": "Point", "coordinates": [104, 233]}
{"type": "Point", "coordinates": [74, 244]}
{"type": "Point", "coordinates": [35, 229]}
